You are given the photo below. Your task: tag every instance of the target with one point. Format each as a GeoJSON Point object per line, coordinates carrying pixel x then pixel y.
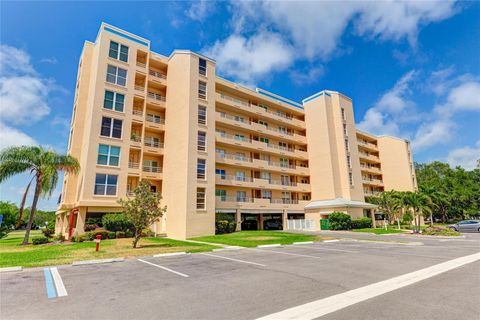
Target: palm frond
{"type": "Point", "coordinates": [10, 168]}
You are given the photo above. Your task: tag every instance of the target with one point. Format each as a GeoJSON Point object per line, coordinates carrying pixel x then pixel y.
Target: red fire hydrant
{"type": "Point", "coordinates": [97, 240]}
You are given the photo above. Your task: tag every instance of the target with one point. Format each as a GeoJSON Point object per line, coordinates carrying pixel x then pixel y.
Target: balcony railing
{"type": "Point", "coordinates": [154, 169]}
{"type": "Point", "coordinates": [366, 143]}
{"type": "Point", "coordinates": [153, 144]}
{"type": "Point", "coordinates": [251, 200]}
{"type": "Point", "coordinates": [151, 118]}
{"type": "Point", "coordinates": [156, 96]}
{"type": "Point", "coordinates": [136, 138]}
{"type": "Point", "coordinates": [137, 112]}
{"type": "Point", "coordinates": [133, 165]}
{"type": "Point", "coordinates": [141, 64]}
{"type": "Point", "coordinates": [248, 159]}
{"type": "Point", "coordinates": [139, 87]}
{"type": "Point", "coordinates": [157, 74]}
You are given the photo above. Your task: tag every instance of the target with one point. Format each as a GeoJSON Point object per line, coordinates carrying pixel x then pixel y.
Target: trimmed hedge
{"type": "Point", "coordinates": [362, 223]}
{"type": "Point", "coordinates": [47, 232]}
{"type": "Point", "coordinates": [93, 234]}
{"type": "Point", "coordinates": [39, 240]}
{"type": "Point", "coordinates": [339, 221]}
{"type": "Point", "coordinates": [116, 222]}
{"type": "Point", "coordinates": [224, 226]}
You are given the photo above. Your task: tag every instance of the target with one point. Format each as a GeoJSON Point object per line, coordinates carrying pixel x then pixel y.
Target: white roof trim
{"type": "Point", "coordinates": [339, 203]}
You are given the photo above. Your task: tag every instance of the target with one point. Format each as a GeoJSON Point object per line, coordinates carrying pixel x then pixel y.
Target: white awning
{"type": "Point", "coordinates": [339, 203]}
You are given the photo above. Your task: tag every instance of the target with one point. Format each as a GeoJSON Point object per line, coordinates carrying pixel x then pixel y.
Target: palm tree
{"type": "Point", "coordinates": [437, 198]}
{"type": "Point", "coordinates": [43, 164]}
{"type": "Point", "coordinates": [22, 204]}
{"type": "Point", "coordinates": [387, 202]}
{"type": "Point", "coordinates": [419, 203]}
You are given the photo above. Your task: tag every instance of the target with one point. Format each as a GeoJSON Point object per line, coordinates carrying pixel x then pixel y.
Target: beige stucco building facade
{"type": "Point", "coordinates": [210, 146]}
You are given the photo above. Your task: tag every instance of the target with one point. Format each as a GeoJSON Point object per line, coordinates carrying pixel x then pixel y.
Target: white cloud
{"type": "Point", "coordinates": [49, 60]}
{"type": "Point", "coordinates": [466, 97]}
{"type": "Point", "coordinates": [311, 76]}
{"type": "Point", "coordinates": [432, 133]}
{"type": "Point", "coordinates": [374, 121]}
{"type": "Point", "coordinates": [23, 99]}
{"type": "Point", "coordinates": [396, 99]}
{"type": "Point", "coordinates": [13, 137]}
{"type": "Point", "coordinates": [248, 59]}
{"type": "Point", "coordinates": [13, 61]}
{"type": "Point", "coordinates": [199, 10]}
{"type": "Point", "coordinates": [466, 157]}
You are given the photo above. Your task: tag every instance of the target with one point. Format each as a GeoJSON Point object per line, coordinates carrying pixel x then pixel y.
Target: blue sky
{"type": "Point", "coordinates": [411, 68]}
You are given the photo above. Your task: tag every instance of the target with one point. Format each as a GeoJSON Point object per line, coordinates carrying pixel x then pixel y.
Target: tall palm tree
{"type": "Point", "coordinates": [22, 204]}
{"type": "Point", "coordinates": [437, 198]}
{"type": "Point", "coordinates": [387, 202]}
{"type": "Point", "coordinates": [43, 164]}
{"type": "Point", "coordinates": [419, 203]}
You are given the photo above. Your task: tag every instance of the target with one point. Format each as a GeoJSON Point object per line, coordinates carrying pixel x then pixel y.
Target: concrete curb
{"type": "Point", "coordinates": [303, 242]}
{"type": "Point", "coordinates": [228, 249]}
{"type": "Point", "coordinates": [10, 269]}
{"type": "Point", "coordinates": [387, 242]}
{"type": "Point", "coordinates": [269, 245]}
{"type": "Point", "coordinates": [100, 261]}
{"type": "Point", "coordinates": [173, 254]}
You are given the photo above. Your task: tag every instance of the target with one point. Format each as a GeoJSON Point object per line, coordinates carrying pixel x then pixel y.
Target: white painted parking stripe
{"type": "Point", "coordinates": [315, 309]}
{"type": "Point", "coordinates": [164, 268]}
{"type": "Point", "coordinates": [326, 249]}
{"type": "Point", "coordinates": [291, 254]}
{"type": "Point", "coordinates": [61, 291]}
{"type": "Point", "coordinates": [335, 240]}
{"type": "Point", "coordinates": [232, 259]}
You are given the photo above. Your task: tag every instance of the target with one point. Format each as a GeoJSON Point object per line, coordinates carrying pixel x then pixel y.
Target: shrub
{"type": "Point", "coordinates": [407, 218]}
{"type": "Point", "coordinates": [362, 223]}
{"type": "Point", "coordinates": [120, 234]}
{"type": "Point", "coordinates": [93, 235]}
{"type": "Point", "coordinates": [79, 238]}
{"type": "Point", "coordinates": [39, 240]}
{"type": "Point", "coordinates": [90, 227]}
{"type": "Point", "coordinates": [129, 234]}
{"type": "Point", "coordinates": [97, 221]}
{"type": "Point", "coordinates": [148, 233]}
{"type": "Point", "coordinates": [111, 235]}
{"type": "Point", "coordinates": [224, 226]}
{"type": "Point", "coordinates": [116, 222]}
{"type": "Point", "coordinates": [47, 232]}
{"type": "Point", "coordinates": [339, 221]}
{"type": "Point", "coordinates": [440, 231]}
{"type": "Point", "coordinates": [59, 237]}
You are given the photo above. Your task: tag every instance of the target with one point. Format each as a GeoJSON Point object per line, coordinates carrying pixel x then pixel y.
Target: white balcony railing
{"type": "Point", "coordinates": [153, 143]}
{"type": "Point", "coordinates": [153, 119]}
{"type": "Point", "coordinates": [157, 74]}
{"type": "Point", "coordinates": [133, 165]}
{"type": "Point", "coordinates": [137, 112]}
{"type": "Point", "coordinates": [154, 169]}
{"type": "Point", "coordinates": [156, 96]}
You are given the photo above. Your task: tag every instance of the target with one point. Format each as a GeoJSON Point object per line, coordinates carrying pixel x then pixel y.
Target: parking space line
{"type": "Point", "coordinates": [232, 259]}
{"type": "Point", "coordinates": [164, 268]}
{"type": "Point", "coordinates": [291, 254]}
{"type": "Point", "coordinates": [49, 284]}
{"type": "Point", "coordinates": [61, 291]}
{"type": "Point", "coordinates": [326, 249]}
{"type": "Point", "coordinates": [321, 307]}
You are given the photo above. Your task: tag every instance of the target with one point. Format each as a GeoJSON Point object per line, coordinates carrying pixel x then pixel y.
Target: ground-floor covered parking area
{"type": "Point", "coordinates": [345, 279]}
{"type": "Point", "coordinates": [259, 220]}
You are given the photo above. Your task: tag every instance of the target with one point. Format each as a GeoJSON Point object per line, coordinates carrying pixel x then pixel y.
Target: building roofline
{"type": "Point", "coordinates": [392, 137]}
{"type": "Point", "coordinates": [131, 36]}
{"type": "Point", "coordinates": [279, 98]}
{"type": "Point", "coordinates": [182, 51]}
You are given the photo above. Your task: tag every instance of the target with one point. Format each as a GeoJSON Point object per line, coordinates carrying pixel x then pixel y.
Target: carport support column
{"type": "Point", "coordinates": [238, 220]}
{"type": "Point", "coordinates": [372, 214]}
{"type": "Point", "coordinates": [284, 219]}
{"type": "Point", "coordinates": [81, 219]}
{"type": "Point", "coordinates": [260, 221]}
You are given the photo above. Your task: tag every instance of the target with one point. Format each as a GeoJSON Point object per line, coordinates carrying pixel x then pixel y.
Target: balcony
{"type": "Point", "coordinates": [367, 145]}
{"type": "Point", "coordinates": [135, 141]}
{"type": "Point", "coordinates": [156, 98]}
{"type": "Point", "coordinates": [157, 75]}
{"type": "Point", "coordinates": [140, 88]}
{"type": "Point", "coordinates": [369, 157]}
{"type": "Point", "coordinates": [152, 146]}
{"type": "Point", "coordinates": [155, 123]}
{"type": "Point", "coordinates": [225, 202]}
{"type": "Point", "coordinates": [261, 183]}
{"type": "Point", "coordinates": [152, 172]}
{"type": "Point", "coordinates": [370, 169]}
{"type": "Point", "coordinates": [137, 115]}
{"type": "Point", "coordinates": [373, 182]}
{"type": "Point", "coordinates": [254, 109]}
{"type": "Point", "coordinates": [259, 128]}
{"type": "Point", "coordinates": [235, 160]}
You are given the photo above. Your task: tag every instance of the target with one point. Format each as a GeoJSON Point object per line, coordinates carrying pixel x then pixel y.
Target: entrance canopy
{"type": "Point", "coordinates": [339, 203]}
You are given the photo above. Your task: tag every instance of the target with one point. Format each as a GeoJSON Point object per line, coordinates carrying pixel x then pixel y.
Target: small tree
{"type": "Point", "coordinates": [142, 210]}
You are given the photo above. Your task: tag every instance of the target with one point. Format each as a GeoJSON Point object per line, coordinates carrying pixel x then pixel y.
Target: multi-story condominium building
{"type": "Point", "coordinates": [210, 146]}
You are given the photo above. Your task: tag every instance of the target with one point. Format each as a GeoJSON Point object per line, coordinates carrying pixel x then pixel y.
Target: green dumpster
{"type": "Point", "coordinates": [324, 224]}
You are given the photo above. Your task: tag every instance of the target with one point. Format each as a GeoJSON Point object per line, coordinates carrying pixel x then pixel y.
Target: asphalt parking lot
{"type": "Point", "coordinates": [430, 278]}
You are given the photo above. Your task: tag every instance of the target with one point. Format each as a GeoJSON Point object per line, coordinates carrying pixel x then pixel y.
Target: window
{"type": "Point", "coordinates": [202, 67]}
{"type": "Point", "coordinates": [153, 142]}
{"type": "Point", "coordinates": [265, 140]}
{"type": "Point", "coordinates": [241, 196]}
{"type": "Point", "coordinates": [347, 148]}
{"type": "Point", "coordinates": [240, 156]}
{"type": "Point", "coordinates": [240, 176]}
{"type": "Point", "coordinates": [350, 178]}
{"type": "Point", "coordinates": [282, 130]}
{"type": "Point", "coordinates": [202, 115]}
{"type": "Point", "coordinates": [286, 197]}
{"type": "Point", "coordinates": [106, 184]}
{"type": "Point", "coordinates": [220, 152]}
{"type": "Point", "coordinates": [118, 51]}
{"type": "Point", "coordinates": [343, 114]}
{"type": "Point", "coordinates": [114, 101]}
{"type": "Point", "coordinates": [116, 75]}
{"type": "Point", "coordinates": [349, 162]}
{"type": "Point", "coordinates": [202, 89]}
{"type": "Point", "coordinates": [202, 141]}
{"type": "Point", "coordinates": [154, 118]}
{"type": "Point", "coordinates": [222, 194]}
{"type": "Point", "coordinates": [239, 119]}
{"type": "Point", "coordinates": [345, 129]}
{"type": "Point", "coordinates": [221, 132]}
{"type": "Point", "coordinates": [266, 176]}
{"type": "Point", "coordinates": [305, 197]}
{"type": "Point", "coordinates": [284, 162]}
{"type": "Point", "coordinates": [108, 155]}
{"type": "Point", "coordinates": [201, 198]}
{"type": "Point", "coordinates": [285, 180]}
{"type": "Point", "coordinates": [263, 107]}
{"type": "Point", "coordinates": [266, 194]}
{"type": "Point", "coordinates": [240, 137]}
{"type": "Point", "coordinates": [111, 128]}
{"type": "Point", "coordinates": [151, 166]}
{"type": "Point", "coordinates": [201, 169]}
{"type": "Point", "coordinates": [263, 123]}
{"type": "Point", "coordinates": [282, 145]}
{"type": "Point", "coordinates": [221, 173]}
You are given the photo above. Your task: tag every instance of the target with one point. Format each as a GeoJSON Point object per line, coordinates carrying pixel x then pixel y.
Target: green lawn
{"type": "Point", "coordinates": [255, 238]}
{"type": "Point", "coordinates": [12, 254]}
{"type": "Point", "coordinates": [379, 230]}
